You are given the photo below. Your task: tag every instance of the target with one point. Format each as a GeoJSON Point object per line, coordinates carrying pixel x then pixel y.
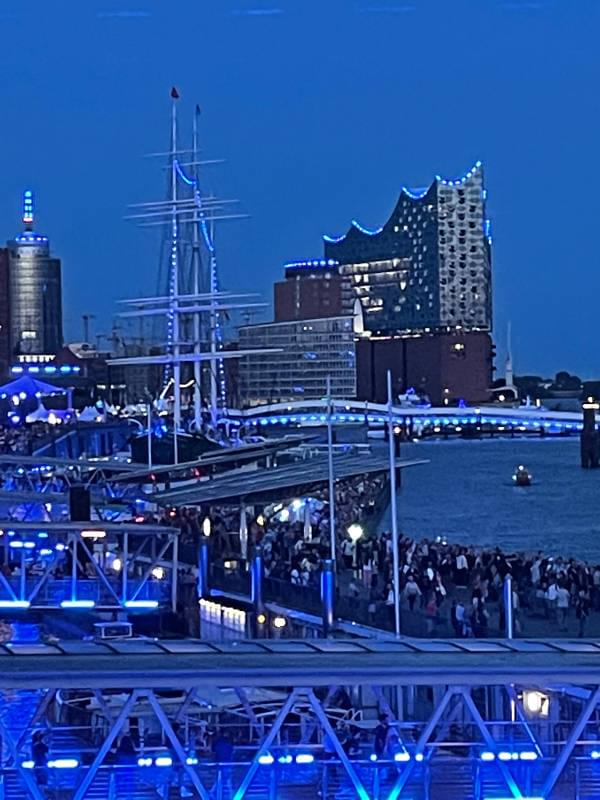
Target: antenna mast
{"type": "Point", "coordinates": [196, 267]}
{"type": "Point", "coordinates": [173, 320]}
{"type": "Point", "coordinates": [28, 209]}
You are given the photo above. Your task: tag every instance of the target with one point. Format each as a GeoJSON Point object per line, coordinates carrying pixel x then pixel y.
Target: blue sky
{"type": "Point", "coordinates": [323, 109]}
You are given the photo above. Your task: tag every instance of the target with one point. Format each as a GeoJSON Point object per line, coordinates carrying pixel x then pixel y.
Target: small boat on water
{"type": "Point", "coordinates": [522, 476]}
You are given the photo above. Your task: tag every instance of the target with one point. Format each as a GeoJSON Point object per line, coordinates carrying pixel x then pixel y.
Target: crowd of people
{"type": "Point", "coordinates": [462, 588]}
{"type": "Point", "coordinates": [21, 440]}
{"type": "Point", "coordinates": [446, 588]}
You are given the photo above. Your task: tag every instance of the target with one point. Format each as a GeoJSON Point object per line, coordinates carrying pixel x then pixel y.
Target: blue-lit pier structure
{"type": "Point", "coordinates": [417, 420]}
{"type": "Point", "coordinates": [37, 487]}
{"type": "Point", "coordinates": [107, 567]}
{"type": "Point", "coordinates": [298, 719]}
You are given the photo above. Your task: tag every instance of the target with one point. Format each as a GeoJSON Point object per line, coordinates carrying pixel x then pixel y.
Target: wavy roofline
{"type": "Point", "coordinates": [355, 225]}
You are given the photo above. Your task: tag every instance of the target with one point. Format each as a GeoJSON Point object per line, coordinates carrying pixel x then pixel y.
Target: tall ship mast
{"type": "Point", "coordinates": [192, 308]}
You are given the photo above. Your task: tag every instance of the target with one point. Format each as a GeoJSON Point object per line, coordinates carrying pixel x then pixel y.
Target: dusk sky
{"type": "Point", "coordinates": [322, 109]}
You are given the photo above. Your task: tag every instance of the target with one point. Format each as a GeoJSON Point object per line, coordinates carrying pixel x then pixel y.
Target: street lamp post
{"type": "Point", "coordinates": [393, 507]}
{"type": "Point", "coordinates": [332, 543]}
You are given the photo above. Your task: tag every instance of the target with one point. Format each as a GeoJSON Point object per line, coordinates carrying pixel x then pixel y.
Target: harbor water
{"type": "Point", "coordinates": [465, 493]}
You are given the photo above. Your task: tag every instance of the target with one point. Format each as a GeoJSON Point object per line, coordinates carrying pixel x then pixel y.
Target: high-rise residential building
{"type": "Point", "coordinates": [35, 292]}
{"type": "Point", "coordinates": [428, 268]}
{"type": "Point", "coordinates": [311, 290]}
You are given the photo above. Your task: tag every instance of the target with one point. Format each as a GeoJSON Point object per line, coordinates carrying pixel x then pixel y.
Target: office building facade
{"type": "Point", "coordinates": [35, 292]}
{"type": "Point", "coordinates": [309, 351]}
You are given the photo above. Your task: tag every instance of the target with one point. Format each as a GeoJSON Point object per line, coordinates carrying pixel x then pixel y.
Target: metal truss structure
{"type": "Point", "coordinates": [83, 565]}
{"type": "Point", "coordinates": [298, 720]}
{"type": "Point", "coordinates": [37, 487]}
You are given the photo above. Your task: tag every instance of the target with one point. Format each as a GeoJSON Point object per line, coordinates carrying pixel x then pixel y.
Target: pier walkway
{"type": "Point", "coordinates": [374, 720]}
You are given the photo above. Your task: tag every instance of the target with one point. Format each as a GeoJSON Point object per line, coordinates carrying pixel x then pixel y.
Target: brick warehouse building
{"type": "Point", "coordinates": [447, 367]}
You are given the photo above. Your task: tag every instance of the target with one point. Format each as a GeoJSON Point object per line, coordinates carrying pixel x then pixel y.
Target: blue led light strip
{"type": "Point", "coordinates": [213, 268]}
{"type": "Point", "coordinates": [28, 207]}
{"type": "Point", "coordinates": [417, 195]}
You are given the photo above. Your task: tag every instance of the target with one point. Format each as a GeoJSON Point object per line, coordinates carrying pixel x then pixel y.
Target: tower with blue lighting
{"type": "Point", "coordinates": [35, 292]}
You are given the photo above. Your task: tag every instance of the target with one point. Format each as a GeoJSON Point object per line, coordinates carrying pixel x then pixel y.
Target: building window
{"type": "Point", "coordinates": [29, 335]}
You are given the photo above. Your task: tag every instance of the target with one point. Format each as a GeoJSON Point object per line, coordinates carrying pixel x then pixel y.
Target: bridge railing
{"type": "Point", "coordinates": [453, 776]}
{"type": "Point", "coordinates": [52, 592]}
{"type": "Point", "coordinates": [307, 599]}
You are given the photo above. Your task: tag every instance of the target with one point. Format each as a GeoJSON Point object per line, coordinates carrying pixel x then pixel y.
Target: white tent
{"type": "Point", "coordinates": [89, 414]}
{"type": "Point", "coordinates": [40, 414]}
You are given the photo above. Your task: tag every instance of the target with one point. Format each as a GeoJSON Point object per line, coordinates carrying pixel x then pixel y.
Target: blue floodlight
{"type": "Point", "coordinates": [304, 758]}
{"type": "Point", "coordinates": [144, 762]}
{"type": "Point", "coordinates": [14, 603]}
{"type": "Point", "coordinates": [63, 763]}
{"type": "Point", "coordinates": [141, 603]}
{"type": "Point", "coordinates": [528, 755]}
{"type": "Point", "coordinates": [265, 759]}
{"type": "Point", "coordinates": [403, 756]}
{"type": "Point", "coordinates": [504, 755]}
{"type": "Point", "coordinates": [77, 604]}
{"type": "Point", "coordinates": [163, 761]}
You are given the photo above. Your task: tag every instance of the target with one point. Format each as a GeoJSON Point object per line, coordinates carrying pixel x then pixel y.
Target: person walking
{"type": "Point", "coordinates": [582, 612]}
{"type": "Point", "coordinates": [390, 605]}
{"type": "Point", "coordinates": [431, 611]}
{"type": "Point", "coordinates": [461, 572]}
{"type": "Point", "coordinates": [551, 598]}
{"type": "Point", "coordinates": [39, 756]}
{"type": "Point", "coordinates": [412, 591]}
{"type": "Point", "coordinates": [562, 606]}
{"type": "Point", "coordinates": [380, 740]}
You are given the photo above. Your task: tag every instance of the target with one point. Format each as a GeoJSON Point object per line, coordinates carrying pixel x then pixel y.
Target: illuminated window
{"type": "Point", "coordinates": [29, 335]}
